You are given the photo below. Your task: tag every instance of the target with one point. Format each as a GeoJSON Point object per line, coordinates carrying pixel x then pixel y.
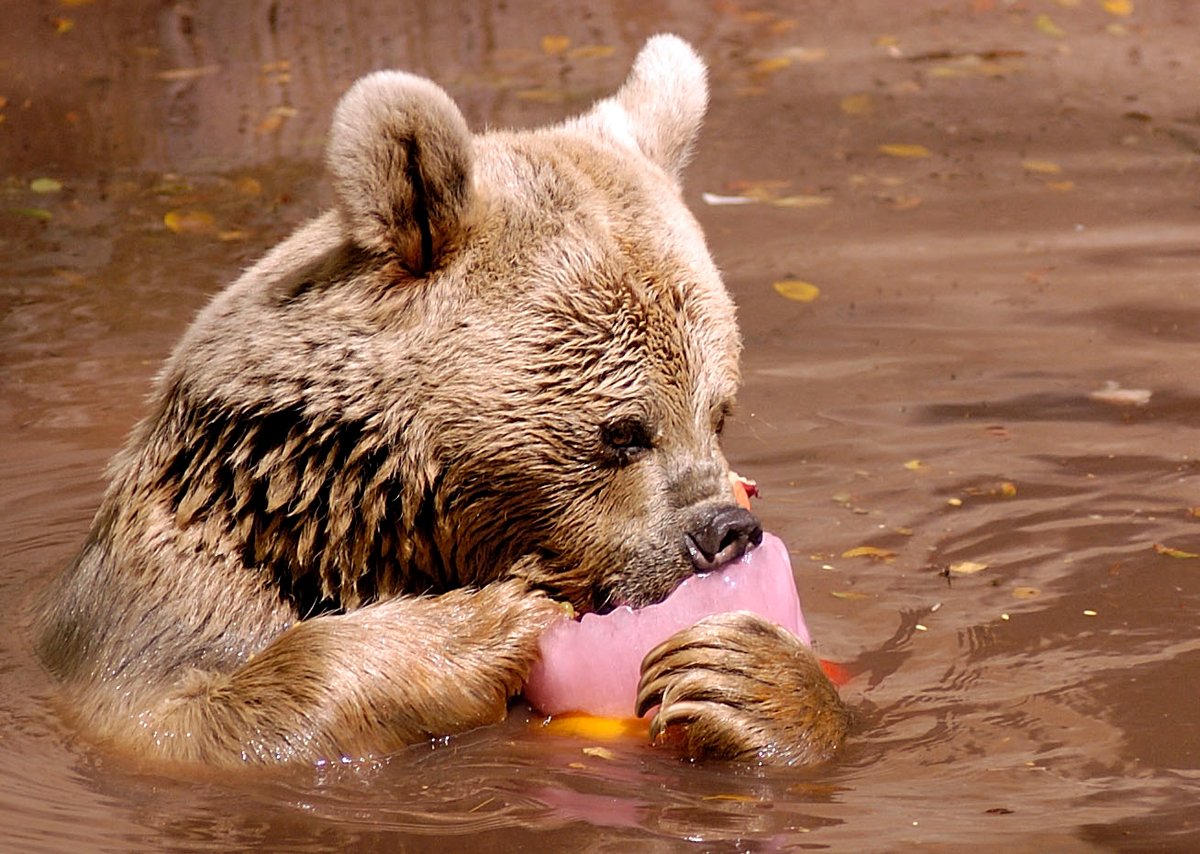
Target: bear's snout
{"type": "Point", "coordinates": [719, 534]}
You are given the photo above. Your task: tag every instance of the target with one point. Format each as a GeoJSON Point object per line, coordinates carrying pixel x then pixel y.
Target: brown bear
{"type": "Point", "coordinates": [493, 376]}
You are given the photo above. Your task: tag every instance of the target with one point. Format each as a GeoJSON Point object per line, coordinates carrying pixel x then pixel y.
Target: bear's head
{"type": "Point", "coordinates": [499, 354]}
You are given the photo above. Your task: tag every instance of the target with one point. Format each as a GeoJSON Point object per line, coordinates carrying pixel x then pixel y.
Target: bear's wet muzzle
{"type": "Point", "coordinates": [720, 533]}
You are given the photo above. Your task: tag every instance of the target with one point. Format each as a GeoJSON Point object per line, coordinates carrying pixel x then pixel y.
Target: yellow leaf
{"type": "Point", "coordinates": [915, 465]}
{"type": "Point", "coordinates": [1194, 511]}
{"type": "Point", "coordinates": [1046, 26]}
{"type": "Point", "coordinates": [1008, 490]}
{"type": "Point", "coordinates": [873, 552]}
{"type": "Point", "coordinates": [954, 502]}
{"type": "Point", "coordinates": [1120, 8]}
{"type": "Point", "coordinates": [189, 222]}
{"type": "Point", "coordinates": [1061, 186]}
{"type": "Point", "coordinates": [900, 149]}
{"type": "Point", "coordinates": [1026, 592]}
{"type": "Point", "coordinates": [45, 185]}
{"type": "Point", "coordinates": [248, 186]}
{"type": "Point", "coordinates": [797, 290]}
{"type": "Point", "coordinates": [857, 105]}
{"type": "Point", "coordinates": [599, 753]}
{"type": "Point", "coordinates": [849, 595]}
{"type": "Point", "coordinates": [592, 51]}
{"type": "Point", "coordinates": [772, 64]}
{"type": "Point", "coordinates": [173, 74]}
{"type": "Point", "coordinates": [799, 201]}
{"type": "Point", "coordinates": [62, 25]}
{"type": "Point", "coordinates": [1175, 553]}
{"type": "Point", "coordinates": [32, 213]}
{"type": "Point", "coordinates": [967, 567]}
{"type": "Point", "coordinates": [554, 45]}
{"type": "Point", "coordinates": [1041, 167]}
{"type": "Point", "coordinates": [903, 203]}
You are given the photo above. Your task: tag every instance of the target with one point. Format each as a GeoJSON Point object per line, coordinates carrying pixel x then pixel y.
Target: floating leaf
{"type": "Point", "coordinates": [901, 149]}
{"type": "Point", "coordinates": [1061, 186]}
{"type": "Point", "coordinates": [916, 465]}
{"type": "Point", "coordinates": [1120, 8]}
{"type": "Point", "coordinates": [1175, 553]}
{"type": "Point", "coordinates": [1041, 167]}
{"type": "Point", "coordinates": [248, 186]}
{"type": "Point", "coordinates": [849, 595]}
{"type": "Point", "coordinates": [857, 105]}
{"type": "Point", "coordinates": [873, 552]}
{"type": "Point", "coordinates": [715, 199]}
{"type": "Point", "coordinates": [954, 502]}
{"type": "Point", "coordinates": [33, 213]}
{"type": "Point", "coordinates": [795, 289]}
{"type": "Point", "coordinates": [1194, 511]}
{"type": "Point", "coordinates": [903, 203]}
{"type": "Point", "coordinates": [772, 64]}
{"type": "Point", "coordinates": [555, 45]}
{"type": "Point", "coordinates": [45, 185]}
{"type": "Point", "coordinates": [801, 201]}
{"type": "Point", "coordinates": [1026, 593]}
{"type": "Point", "coordinates": [189, 222]}
{"type": "Point", "coordinates": [592, 51]}
{"type": "Point", "coordinates": [599, 753]}
{"type": "Point", "coordinates": [1113, 393]}
{"type": "Point", "coordinates": [274, 119]}
{"type": "Point", "coordinates": [62, 25]}
{"type": "Point", "coordinates": [1008, 489]}
{"type": "Point", "coordinates": [967, 567]}
{"type": "Point", "coordinates": [187, 73]}
{"type": "Point", "coordinates": [1046, 26]}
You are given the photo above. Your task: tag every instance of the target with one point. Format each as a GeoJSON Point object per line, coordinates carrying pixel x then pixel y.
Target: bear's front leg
{"type": "Point", "coordinates": [350, 685]}
{"type": "Point", "coordinates": [743, 689]}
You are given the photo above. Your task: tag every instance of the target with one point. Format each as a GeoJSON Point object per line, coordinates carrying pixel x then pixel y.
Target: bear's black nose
{"type": "Point", "coordinates": [721, 534]}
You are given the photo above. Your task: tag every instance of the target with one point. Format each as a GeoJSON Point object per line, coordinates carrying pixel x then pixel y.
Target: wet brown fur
{"type": "Point", "coordinates": [374, 459]}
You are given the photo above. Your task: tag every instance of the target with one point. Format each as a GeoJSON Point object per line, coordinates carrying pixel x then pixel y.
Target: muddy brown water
{"type": "Point", "coordinates": [938, 399]}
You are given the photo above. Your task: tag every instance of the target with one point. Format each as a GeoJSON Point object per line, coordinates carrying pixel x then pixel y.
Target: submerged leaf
{"type": "Point", "coordinates": [857, 105]}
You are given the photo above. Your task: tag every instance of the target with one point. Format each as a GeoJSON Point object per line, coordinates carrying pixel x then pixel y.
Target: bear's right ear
{"type": "Point", "coordinates": [400, 155]}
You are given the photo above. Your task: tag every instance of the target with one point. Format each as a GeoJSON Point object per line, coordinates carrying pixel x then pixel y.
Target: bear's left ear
{"type": "Point", "coordinates": [400, 155]}
{"type": "Point", "coordinates": [659, 109]}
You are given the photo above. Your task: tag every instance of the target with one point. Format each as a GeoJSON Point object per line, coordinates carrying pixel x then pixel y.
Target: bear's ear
{"type": "Point", "coordinates": [660, 107]}
{"type": "Point", "coordinates": [400, 155]}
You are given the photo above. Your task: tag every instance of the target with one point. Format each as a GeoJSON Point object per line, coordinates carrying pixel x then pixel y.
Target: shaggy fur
{"type": "Point", "coordinates": [494, 375]}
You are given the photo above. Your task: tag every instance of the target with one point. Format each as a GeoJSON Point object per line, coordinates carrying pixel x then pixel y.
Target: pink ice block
{"type": "Point", "coordinates": [592, 665]}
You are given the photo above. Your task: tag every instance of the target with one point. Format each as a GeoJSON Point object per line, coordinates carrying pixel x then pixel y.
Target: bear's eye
{"type": "Point", "coordinates": [626, 438]}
